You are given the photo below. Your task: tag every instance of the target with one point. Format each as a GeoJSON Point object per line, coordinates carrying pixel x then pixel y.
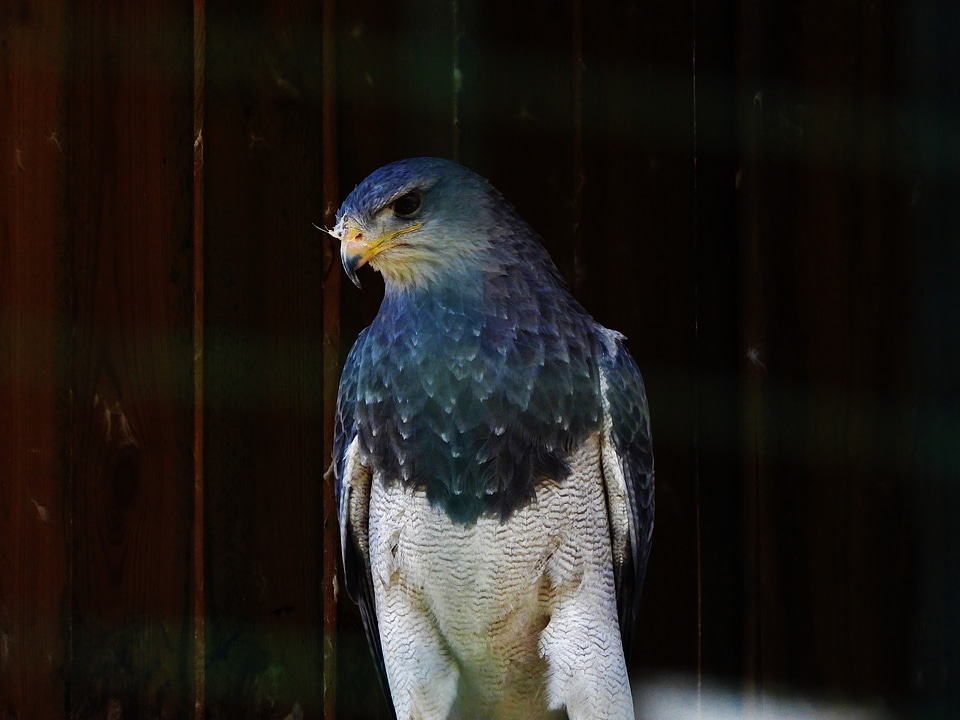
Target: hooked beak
{"type": "Point", "coordinates": [356, 250]}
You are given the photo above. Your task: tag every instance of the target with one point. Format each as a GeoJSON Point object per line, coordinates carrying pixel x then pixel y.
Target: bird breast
{"type": "Point", "coordinates": [490, 588]}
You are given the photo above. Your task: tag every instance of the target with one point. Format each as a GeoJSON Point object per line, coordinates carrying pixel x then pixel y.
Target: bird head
{"type": "Point", "coordinates": [418, 221]}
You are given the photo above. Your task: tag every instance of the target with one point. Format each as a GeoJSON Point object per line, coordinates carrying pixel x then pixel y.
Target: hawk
{"type": "Point", "coordinates": [492, 461]}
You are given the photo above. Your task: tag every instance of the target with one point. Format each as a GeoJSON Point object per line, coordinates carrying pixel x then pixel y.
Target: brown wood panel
{"type": "Point", "coordinates": [34, 502]}
{"type": "Point", "coordinates": [828, 439]}
{"type": "Point", "coordinates": [718, 358]}
{"type": "Point", "coordinates": [129, 148]}
{"type": "Point", "coordinates": [516, 111]}
{"type": "Point", "coordinates": [198, 529]}
{"type": "Point", "coordinates": [395, 83]}
{"type": "Point", "coordinates": [263, 366]}
{"type": "Point", "coordinates": [331, 359]}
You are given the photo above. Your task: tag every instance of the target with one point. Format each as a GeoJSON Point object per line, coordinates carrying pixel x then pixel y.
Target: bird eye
{"type": "Point", "coordinates": [406, 205]}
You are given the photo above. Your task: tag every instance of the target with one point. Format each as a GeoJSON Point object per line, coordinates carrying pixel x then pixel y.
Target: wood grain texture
{"type": "Point", "coordinates": [829, 441]}
{"type": "Point", "coordinates": [198, 537]}
{"type": "Point", "coordinates": [331, 358]}
{"type": "Point", "coordinates": [264, 376]}
{"type": "Point", "coordinates": [129, 145]}
{"type": "Point", "coordinates": [517, 112]}
{"type": "Point", "coordinates": [717, 365]}
{"type": "Point", "coordinates": [34, 499]}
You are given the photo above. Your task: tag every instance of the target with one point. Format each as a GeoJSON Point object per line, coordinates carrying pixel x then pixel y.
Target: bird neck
{"type": "Point", "coordinates": [450, 291]}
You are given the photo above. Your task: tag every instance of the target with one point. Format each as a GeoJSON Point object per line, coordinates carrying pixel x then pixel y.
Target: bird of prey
{"type": "Point", "coordinates": [493, 461]}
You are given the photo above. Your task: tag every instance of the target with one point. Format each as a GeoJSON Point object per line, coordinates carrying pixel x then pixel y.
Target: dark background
{"type": "Point", "coordinates": [762, 195]}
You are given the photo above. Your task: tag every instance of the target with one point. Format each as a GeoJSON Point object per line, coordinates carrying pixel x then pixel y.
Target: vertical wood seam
{"type": "Point", "coordinates": [331, 360]}
{"type": "Point", "coordinates": [199, 604]}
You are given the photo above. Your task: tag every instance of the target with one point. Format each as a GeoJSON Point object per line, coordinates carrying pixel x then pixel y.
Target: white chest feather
{"type": "Point", "coordinates": [499, 619]}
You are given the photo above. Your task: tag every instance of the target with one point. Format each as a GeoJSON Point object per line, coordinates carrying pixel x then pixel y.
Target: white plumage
{"type": "Point", "coordinates": [528, 605]}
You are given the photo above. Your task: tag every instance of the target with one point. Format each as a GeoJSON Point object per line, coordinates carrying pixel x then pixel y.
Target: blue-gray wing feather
{"type": "Point", "coordinates": [629, 416]}
{"type": "Point", "coordinates": [356, 564]}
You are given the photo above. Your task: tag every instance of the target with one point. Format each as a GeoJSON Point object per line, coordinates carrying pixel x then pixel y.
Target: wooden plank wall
{"type": "Point", "coordinates": [263, 358]}
{"type": "Point", "coordinates": [128, 140]}
{"type": "Point", "coordinates": [97, 348]}
{"type": "Point", "coordinates": [832, 428]}
{"type": "Point", "coordinates": [759, 194]}
{"type": "Point", "coordinates": [35, 501]}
